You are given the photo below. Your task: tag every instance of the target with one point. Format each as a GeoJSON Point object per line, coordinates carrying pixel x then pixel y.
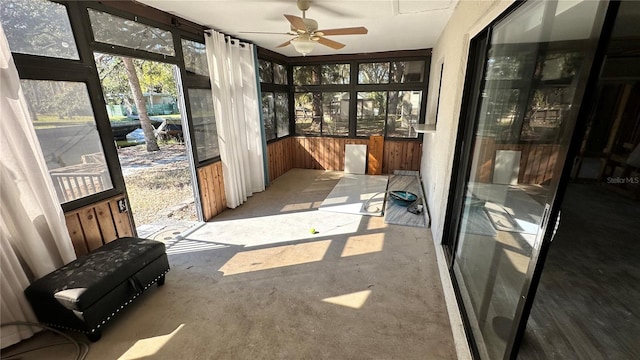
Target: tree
{"type": "Point", "coordinates": [38, 27]}
{"type": "Point", "coordinates": [145, 122]}
{"type": "Point", "coordinates": [153, 76]}
{"type": "Point", "coordinates": [156, 76]}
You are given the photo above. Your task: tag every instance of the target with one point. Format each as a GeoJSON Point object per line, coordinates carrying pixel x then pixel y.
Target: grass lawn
{"type": "Point", "coordinates": [158, 189]}
{"type": "Point", "coordinates": [154, 192]}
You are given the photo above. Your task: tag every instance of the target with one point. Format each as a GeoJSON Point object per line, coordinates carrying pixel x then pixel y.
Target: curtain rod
{"type": "Point", "coordinates": [227, 37]}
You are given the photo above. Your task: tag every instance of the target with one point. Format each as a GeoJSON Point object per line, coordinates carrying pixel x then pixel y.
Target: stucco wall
{"type": "Point", "coordinates": [468, 19]}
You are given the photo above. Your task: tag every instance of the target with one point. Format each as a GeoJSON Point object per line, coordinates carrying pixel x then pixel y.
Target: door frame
{"type": "Point", "coordinates": [474, 81]}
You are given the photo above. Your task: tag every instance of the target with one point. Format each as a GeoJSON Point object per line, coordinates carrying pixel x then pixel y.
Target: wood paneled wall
{"type": "Point", "coordinates": [212, 194]}
{"type": "Point", "coordinates": [328, 153]}
{"type": "Point", "coordinates": [401, 155]}
{"type": "Point", "coordinates": [280, 157]}
{"type": "Point", "coordinates": [97, 224]}
{"type": "Point", "coordinates": [537, 161]}
{"type": "Point", "coordinates": [321, 153]}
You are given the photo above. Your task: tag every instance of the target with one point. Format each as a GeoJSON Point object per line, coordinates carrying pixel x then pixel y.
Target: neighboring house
{"type": "Point", "coordinates": [157, 104]}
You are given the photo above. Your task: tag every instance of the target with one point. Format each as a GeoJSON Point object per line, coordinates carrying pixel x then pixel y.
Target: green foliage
{"type": "Point", "coordinates": [119, 31]}
{"type": "Point", "coordinates": [373, 73]}
{"type": "Point", "coordinates": [306, 75]}
{"type": "Point", "coordinates": [154, 77]}
{"type": "Point", "coordinates": [335, 74]}
{"type": "Point", "coordinates": [265, 71]}
{"type": "Point", "coordinates": [57, 99]}
{"type": "Point", "coordinates": [38, 27]}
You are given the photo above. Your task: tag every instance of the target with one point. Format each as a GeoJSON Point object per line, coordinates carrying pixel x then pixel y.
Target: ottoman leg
{"type": "Point", "coordinates": [94, 336]}
{"type": "Point", "coordinates": [161, 281]}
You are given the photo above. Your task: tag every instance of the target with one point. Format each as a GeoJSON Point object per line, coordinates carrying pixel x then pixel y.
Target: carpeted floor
{"type": "Point", "coordinates": [366, 290]}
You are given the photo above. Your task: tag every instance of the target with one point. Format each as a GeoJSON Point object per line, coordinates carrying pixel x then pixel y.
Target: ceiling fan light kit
{"type": "Point", "coordinates": [303, 44]}
{"type": "Point", "coordinates": [307, 34]}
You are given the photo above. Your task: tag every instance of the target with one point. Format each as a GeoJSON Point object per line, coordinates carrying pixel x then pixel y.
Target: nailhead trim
{"type": "Point", "coordinates": [112, 314]}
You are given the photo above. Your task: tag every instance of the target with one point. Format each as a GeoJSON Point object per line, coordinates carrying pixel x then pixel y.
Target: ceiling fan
{"type": "Point", "coordinates": [306, 33]}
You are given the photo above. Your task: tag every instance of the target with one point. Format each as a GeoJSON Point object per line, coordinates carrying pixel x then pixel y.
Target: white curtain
{"type": "Point", "coordinates": [33, 235]}
{"type": "Point", "coordinates": [234, 87]}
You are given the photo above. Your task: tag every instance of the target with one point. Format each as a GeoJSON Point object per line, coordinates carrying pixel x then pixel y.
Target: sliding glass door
{"type": "Point", "coordinates": [521, 108]}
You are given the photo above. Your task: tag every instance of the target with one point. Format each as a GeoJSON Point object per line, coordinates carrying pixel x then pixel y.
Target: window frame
{"type": "Point", "coordinates": [353, 88]}
{"type": "Point", "coordinates": [272, 87]}
{"type": "Point", "coordinates": [37, 67]}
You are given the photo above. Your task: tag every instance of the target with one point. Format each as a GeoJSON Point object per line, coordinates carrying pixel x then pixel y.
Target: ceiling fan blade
{"type": "Point", "coordinates": [360, 30]}
{"type": "Point", "coordinates": [284, 44]}
{"type": "Point", "coordinates": [330, 43]}
{"type": "Point", "coordinates": [297, 22]}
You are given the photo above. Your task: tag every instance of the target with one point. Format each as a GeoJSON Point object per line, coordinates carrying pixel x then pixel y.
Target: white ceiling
{"type": "Point", "coordinates": [392, 24]}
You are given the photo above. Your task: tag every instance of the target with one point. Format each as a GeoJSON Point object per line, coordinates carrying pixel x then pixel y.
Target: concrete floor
{"type": "Point", "coordinates": [357, 289]}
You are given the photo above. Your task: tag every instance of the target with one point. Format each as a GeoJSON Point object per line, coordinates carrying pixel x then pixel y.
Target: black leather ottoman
{"type": "Point", "coordinates": [87, 293]}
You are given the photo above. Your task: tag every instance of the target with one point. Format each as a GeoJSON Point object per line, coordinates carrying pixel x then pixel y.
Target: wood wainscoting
{"type": "Point", "coordinates": [97, 224]}
{"type": "Point", "coordinates": [537, 161]}
{"type": "Point", "coordinates": [214, 199]}
{"type": "Point", "coordinates": [327, 153]}
{"type": "Point", "coordinates": [280, 157]}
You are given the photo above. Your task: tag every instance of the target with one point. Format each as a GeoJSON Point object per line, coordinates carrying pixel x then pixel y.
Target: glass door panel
{"type": "Point", "coordinates": [535, 71]}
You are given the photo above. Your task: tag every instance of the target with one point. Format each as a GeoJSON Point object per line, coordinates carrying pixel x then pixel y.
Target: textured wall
{"type": "Point", "coordinates": [468, 19]}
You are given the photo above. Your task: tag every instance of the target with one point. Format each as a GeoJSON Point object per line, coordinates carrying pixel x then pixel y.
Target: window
{"type": "Point", "coordinates": [404, 112]}
{"type": "Point", "coordinates": [195, 57]}
{"type": "Point", "coordinates": [325, 113]}
{"type": "Point", "coordinates": [115, 30]}
{"type": "Point", "coordinates": [507, 120]}
{"type": "Point", "coordinates": [282, 113]}
{"type": "Point", "coordinates": [38, 27]}
{"type": "Point", "coordinates": [360, 98]}
{"type": "Point", "coordinates": [373, 73]}
{"type": "Point", "coordinates": [275, 98]}
{"type": "Point", "coordinates": [265, 71]}
{"type": "Point", "coordinates": [204, 124]}
{"type": "Point", "coordinates": [269, 115]}
{"type": "Point", "coordinates": [407, 71]}
{"type": "Point", "coordinates": [308, 109]}
{"type": "Point", "coordinates": [63, 119]}
{"type": "Point", "coordinates": [335, 113]}
{"type": "Point", "coordinates": [372, 113]}
{"type": "Point", "coordinates": [336, 74]}
{"type": "Point", "coordinates": [280, 74]}
{"type": "Point", "coordinates": [306, 75]}
{"type": "Point", "coordinates": [272, 73]}
{"type": "Point", "coordinates": [275, 114]}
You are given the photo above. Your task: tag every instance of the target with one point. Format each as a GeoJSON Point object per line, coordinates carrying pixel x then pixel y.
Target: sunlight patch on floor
{"type": "Point", "coordinates": [363, 244]}
{"type": "Point", "coordinates": [297, 207]}
{"type": "Point", "coordinates": [275, 257]}
{"type": "Point", "coordinates": [354, 300]}
{"type": "Point", "coordinates": [273, 229]}
{"type": "Point", "coordinates": [149, 347]}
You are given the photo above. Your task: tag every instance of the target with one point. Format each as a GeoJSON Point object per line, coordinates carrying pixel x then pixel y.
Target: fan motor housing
{"type": "Point", "coordinates": [312, 25]}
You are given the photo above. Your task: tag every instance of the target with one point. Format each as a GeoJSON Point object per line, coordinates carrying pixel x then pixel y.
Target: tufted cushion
{"type": "Point", "coordinates": [82, 282]}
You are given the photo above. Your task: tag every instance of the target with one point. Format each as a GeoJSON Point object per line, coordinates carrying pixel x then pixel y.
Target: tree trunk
{"type": "Point", "coordinates": [145, 122]}
{"type": "Point", "coordinates": [317, 110]}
